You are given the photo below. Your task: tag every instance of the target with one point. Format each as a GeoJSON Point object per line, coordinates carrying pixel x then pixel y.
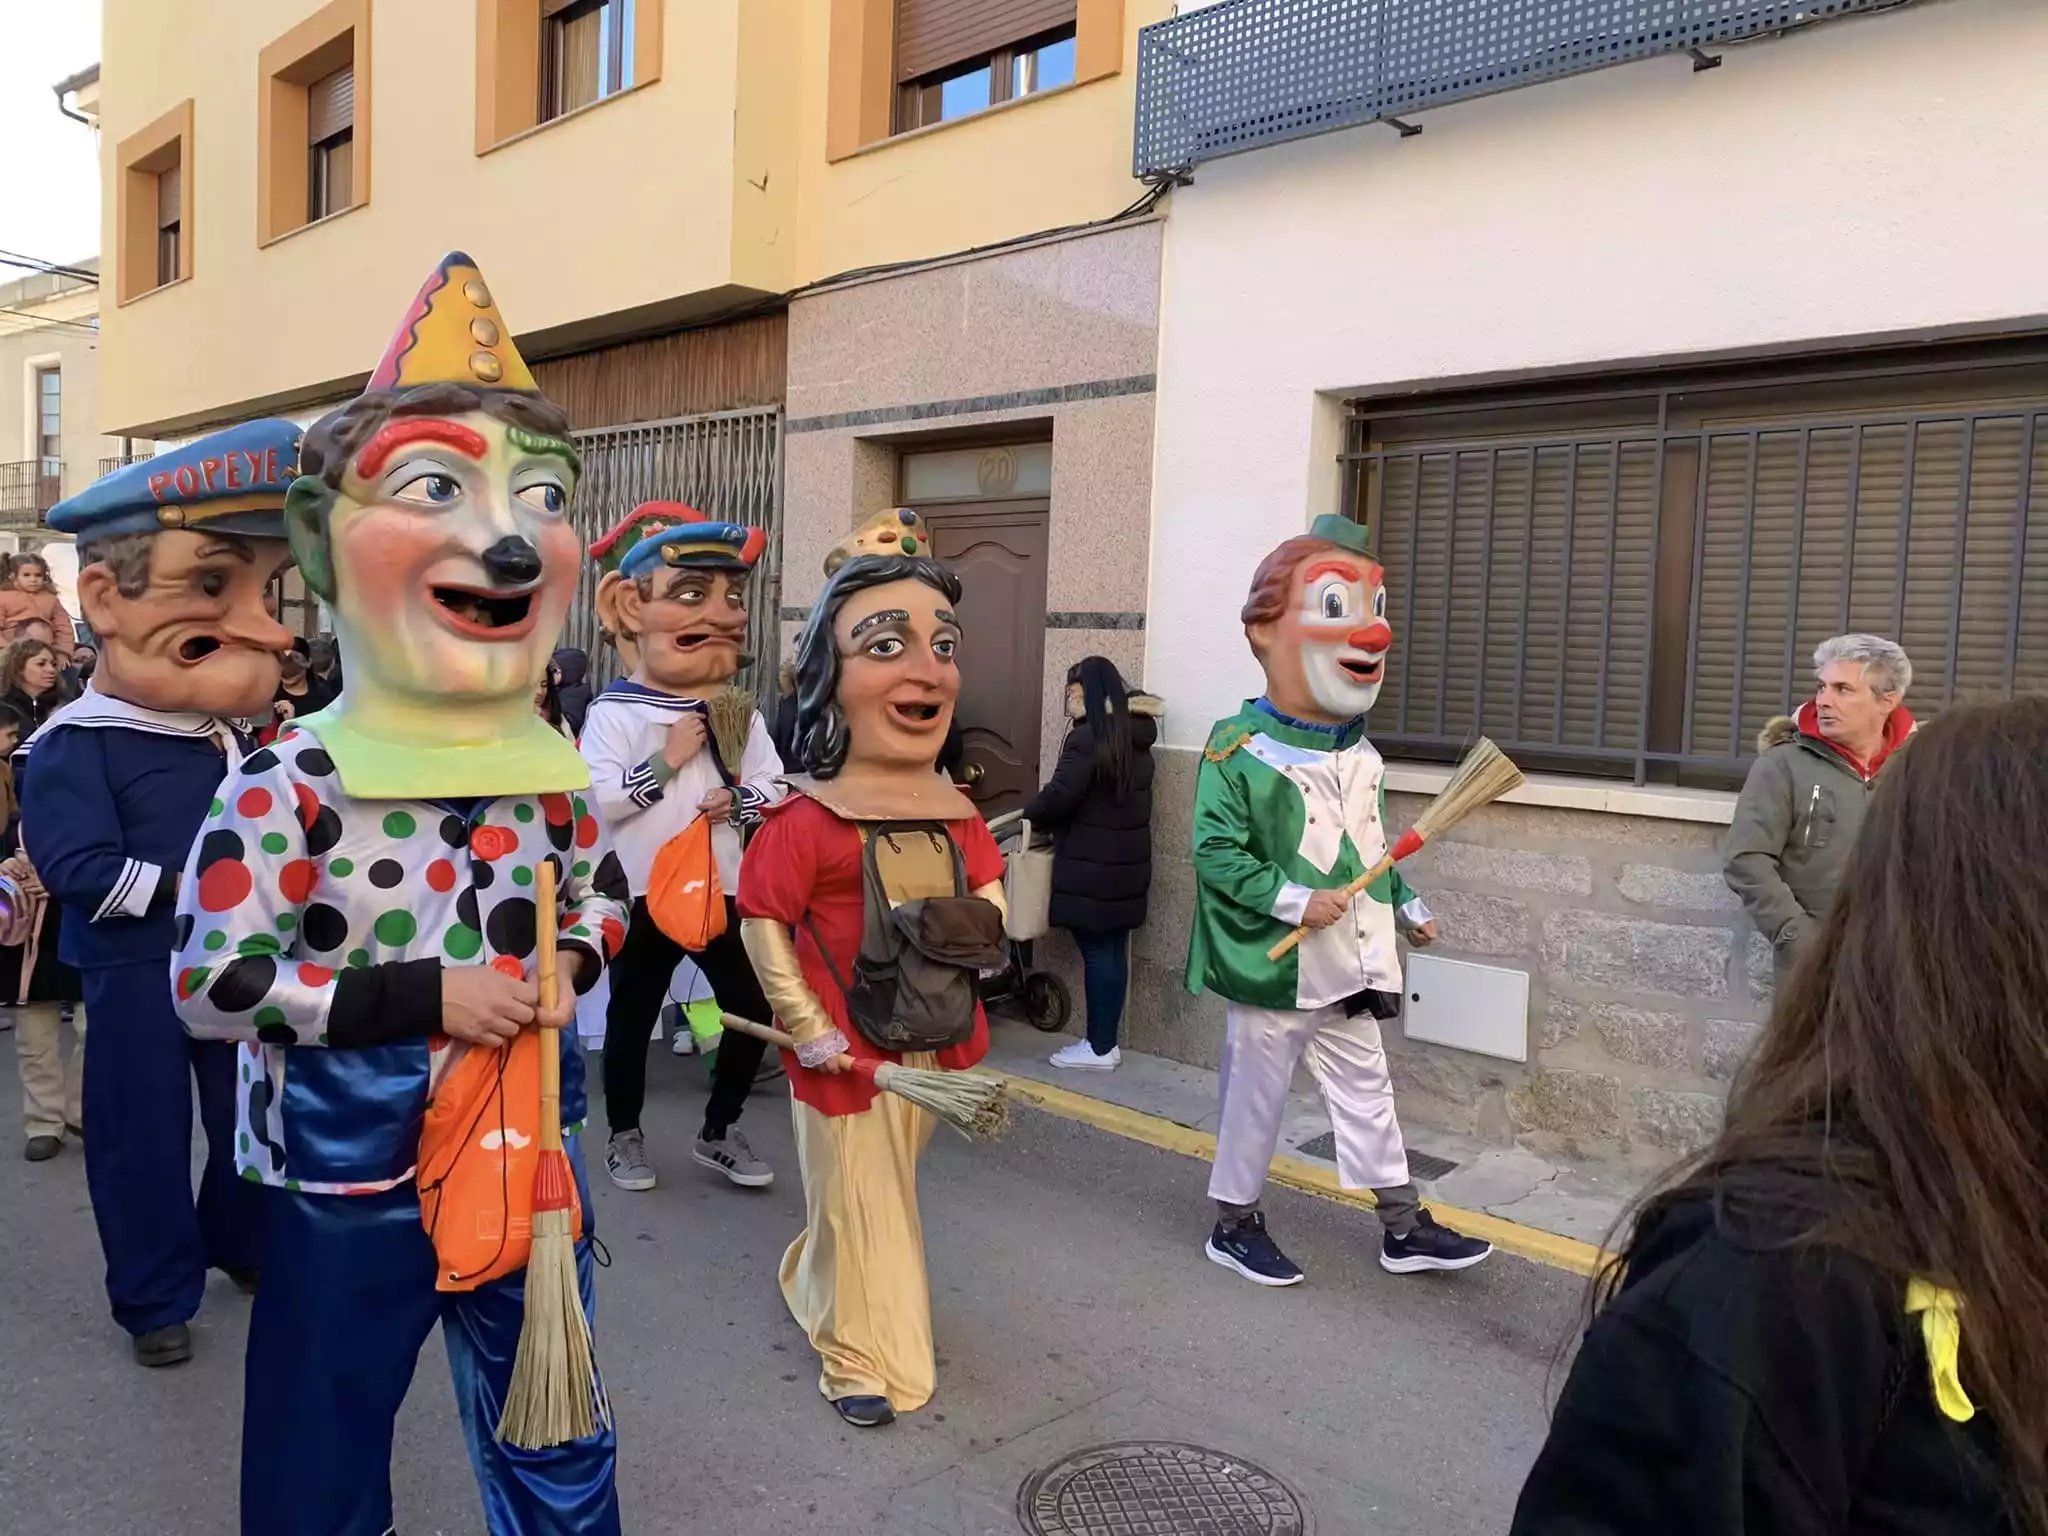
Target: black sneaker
{"type": "Point", "coordinates": [1247, 1249]}
{"type": "Point", "coordinates": [1430, 1246]}
{"type": "Point", "coordinates": [164, 1346]}
{"type": "Point", "coordinates": [865, 1412]}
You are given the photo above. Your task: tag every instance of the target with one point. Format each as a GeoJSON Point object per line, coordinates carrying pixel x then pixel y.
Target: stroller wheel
{"type": "Point", "coordinates": [1046, 1004]}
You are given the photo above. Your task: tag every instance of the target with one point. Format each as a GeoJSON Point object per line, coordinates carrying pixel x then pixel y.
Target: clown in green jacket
{"type": "Point", "coordinates": [1290, 808]}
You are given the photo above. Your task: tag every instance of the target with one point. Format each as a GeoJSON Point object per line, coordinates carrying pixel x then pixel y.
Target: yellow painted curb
{"type": "Point", "coordinates": [1566, 1253]}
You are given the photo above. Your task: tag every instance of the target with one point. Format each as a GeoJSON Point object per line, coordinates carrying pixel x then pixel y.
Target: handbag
{"type": "Point", "coordinates": [1027, 889]}
{"type": "Point", "coordinates": [685, 897]}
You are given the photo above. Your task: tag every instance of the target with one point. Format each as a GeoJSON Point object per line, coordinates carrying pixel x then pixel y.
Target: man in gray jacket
{"type": "Point", "coordinates": [1803, 802]}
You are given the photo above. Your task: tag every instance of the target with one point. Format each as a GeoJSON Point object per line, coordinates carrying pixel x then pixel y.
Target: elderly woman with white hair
{"type": "Point", "coordinates": [1803, 801]}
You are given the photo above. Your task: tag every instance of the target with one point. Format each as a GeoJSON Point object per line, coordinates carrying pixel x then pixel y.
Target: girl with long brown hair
{"type": "Point", "coordinates": [1836, 1320]}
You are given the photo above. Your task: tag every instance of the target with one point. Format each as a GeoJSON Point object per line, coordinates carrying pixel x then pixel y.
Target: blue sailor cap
{"type": "Point", "coordinates": [234, 481]}
{"type": "Point", "coordinates": [696, 541]}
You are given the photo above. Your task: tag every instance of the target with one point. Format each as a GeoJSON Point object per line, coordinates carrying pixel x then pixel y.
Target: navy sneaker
{"type": "Point", "coordinates": [1247, 1249]}
{"type": "Point", "coordinates": [1430, 1246]}
{"type": "Point", "coordinates": [865, 1412]}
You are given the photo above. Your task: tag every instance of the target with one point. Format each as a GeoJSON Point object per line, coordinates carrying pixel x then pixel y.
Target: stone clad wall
{"type": "Point", "coordinates": [1647, 987]}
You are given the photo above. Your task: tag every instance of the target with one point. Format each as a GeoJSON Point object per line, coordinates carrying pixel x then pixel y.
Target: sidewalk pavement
{"type": "Point", "coordinates": [1508, 1183]}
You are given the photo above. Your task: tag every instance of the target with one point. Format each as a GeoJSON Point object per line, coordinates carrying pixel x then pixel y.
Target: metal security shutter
{"type": "Point", "coordinates": [933, 34]}
{"type": "Point", "coordinates": [331, 105]}
{"type": "Point", "coordinates": [1518, 578]}
{"type": "Point", "coordinates": [1921, 528]}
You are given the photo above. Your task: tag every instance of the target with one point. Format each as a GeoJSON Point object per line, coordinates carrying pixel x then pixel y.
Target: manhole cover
{"type": "Point", "coordinates": [1157, 1488]}
{"type": "Point", "coordinates": [1420, 1164]}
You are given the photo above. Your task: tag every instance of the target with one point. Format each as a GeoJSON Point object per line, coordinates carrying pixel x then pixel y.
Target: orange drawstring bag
{"type": "Point", "coordinates": [685, 897]}
{"type": "Point", "coordinates": [479, 1148]}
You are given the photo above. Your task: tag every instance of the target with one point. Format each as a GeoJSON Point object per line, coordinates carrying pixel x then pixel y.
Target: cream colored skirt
{"type": "Point", "coordinates": [854, 1278]}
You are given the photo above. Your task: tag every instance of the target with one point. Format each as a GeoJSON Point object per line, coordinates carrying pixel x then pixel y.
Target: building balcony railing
{"type": "Point", "coordinates": [27, 491]}
{"type": "Point", "coordinates": [1246, 73]}
{"type": "Point", "coordinates": [122, 461]}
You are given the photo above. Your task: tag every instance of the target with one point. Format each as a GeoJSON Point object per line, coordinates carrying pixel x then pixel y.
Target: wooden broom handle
{"type": "Point", "coordinates": [548, 974]}
{"type": "Point", "coordinates": [759, 1031]}
{"type": "Point", "coordinates": [1280, 951]}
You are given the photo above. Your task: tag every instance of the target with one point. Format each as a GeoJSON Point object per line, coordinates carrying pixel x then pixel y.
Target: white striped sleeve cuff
{"type": "Point", "coordinates": [642, 785]}
{"type": "Point", "coordinates": [132, 892]}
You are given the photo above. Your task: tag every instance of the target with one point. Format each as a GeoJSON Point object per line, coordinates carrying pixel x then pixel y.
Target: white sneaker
{"type": "Point", "coordinates": [682, 1042]}
{"type": "Point", "coordinates": [1082, 1055]}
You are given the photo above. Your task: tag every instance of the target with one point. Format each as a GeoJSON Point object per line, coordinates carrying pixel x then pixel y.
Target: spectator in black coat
{"type": "Point", "coordinates": [569, 671]}
{"type": "Point", "coordinates": [1098, 806]}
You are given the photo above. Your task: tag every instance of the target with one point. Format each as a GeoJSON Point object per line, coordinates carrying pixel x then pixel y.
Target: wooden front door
{"type": "Point", "coordinates": [999, 553]}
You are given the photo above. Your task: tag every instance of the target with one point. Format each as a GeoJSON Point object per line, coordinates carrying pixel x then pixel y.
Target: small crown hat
{"type": "Point", "coordinates": [899, 531]}
{"type": "Point", "coordinates": [453, 334]}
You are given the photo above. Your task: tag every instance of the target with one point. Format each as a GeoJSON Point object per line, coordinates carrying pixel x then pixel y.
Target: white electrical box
{"type": "Point", "coordinates": [1483, 1008]}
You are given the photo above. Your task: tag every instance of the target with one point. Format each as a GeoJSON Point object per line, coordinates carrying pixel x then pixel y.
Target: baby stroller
{"type": "Point", "coordinates": [1039, 996]}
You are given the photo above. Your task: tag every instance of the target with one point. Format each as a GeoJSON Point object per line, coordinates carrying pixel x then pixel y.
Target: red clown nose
{"type": "Point", "coordinates": [1376, 636]}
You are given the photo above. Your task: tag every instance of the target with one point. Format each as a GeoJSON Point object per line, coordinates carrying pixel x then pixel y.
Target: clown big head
{"type": "Point", "coordinates": [1316, 620]}
{"type": "Point", "coordinates": [432, 515]}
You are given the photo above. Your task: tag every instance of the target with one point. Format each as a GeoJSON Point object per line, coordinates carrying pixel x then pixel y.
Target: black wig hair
{"type": "Point", "coordinates": [820, 724]}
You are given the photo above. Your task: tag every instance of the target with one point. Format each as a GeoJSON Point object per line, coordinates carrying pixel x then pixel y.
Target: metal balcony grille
{"type": "Point", "coordinates": [1245, 73]}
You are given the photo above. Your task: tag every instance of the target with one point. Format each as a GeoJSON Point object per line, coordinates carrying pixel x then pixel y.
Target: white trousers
{"type": "Point", "coordinates": [1349, 1064]}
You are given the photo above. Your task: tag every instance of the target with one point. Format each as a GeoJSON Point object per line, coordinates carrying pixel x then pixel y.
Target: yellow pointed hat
{"type": "Point", "coordinates": [453, 334]}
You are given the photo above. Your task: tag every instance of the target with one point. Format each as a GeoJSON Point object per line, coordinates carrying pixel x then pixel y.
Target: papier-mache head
{"type": "Point", "coordinates": [1316, 620]}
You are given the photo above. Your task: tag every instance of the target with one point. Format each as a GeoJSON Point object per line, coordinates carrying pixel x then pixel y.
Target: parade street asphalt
{"type": "Point", "coordinates": [1073, 1308]}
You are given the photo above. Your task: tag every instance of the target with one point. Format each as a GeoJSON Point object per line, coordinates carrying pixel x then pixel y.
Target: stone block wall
{"type": "Point", "coordinates": [1647, 987]}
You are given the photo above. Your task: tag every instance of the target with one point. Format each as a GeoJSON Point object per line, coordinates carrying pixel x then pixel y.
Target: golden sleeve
{"type": "Point", "coordinates": [773, 953]}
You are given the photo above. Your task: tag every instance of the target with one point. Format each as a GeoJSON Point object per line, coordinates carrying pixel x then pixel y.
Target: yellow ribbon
{"type": "Point", "coordinates": [1942, 1330]}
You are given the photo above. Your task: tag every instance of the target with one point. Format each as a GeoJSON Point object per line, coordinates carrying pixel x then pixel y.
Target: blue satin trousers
{"type": "Point", "coordinates": [347, 1302]}
{"type": "Point", "coordinates": [140, 1067]}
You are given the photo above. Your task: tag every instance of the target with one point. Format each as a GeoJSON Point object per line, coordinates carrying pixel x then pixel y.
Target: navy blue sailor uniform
{"type": "Point", "coordinates": [112, 796]}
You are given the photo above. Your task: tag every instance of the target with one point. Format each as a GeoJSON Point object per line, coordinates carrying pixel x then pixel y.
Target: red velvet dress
{"type": "Point", "coordinates": [803, 870]}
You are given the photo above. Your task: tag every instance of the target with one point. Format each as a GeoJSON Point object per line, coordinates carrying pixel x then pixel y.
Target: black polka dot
{"type": "Point", "coordinates": [184, 929]}
{"type": "Point", "coordinates": [323, 927]}
{"type": "Point", "coordinates": [277, 1034]}
{"type": "Point", "coordinates": [610, 879]}
{"type": "Point", "coordinates": [510, 928]}
{"type": "Point", "coordinates": [482, 875]}
{"type": "Point", "coordinates": [465, 908]}
{"type": "Point", "coordinates": [243, 983]}
{"type": "Point", "coordinates": [561, 835]}
{"type": "Point", "coordinates": [315, 762]}
{"type": "Point", "coordinates": [217, 846]}
{"type": "Point", "coordinates": [324, 833]}
{"type": "Point", "coordinates": [454, 831]}
{"type": "Point", "coordinates": [386, 873]}
{"type": "Point", "coordinates": [259, 762]}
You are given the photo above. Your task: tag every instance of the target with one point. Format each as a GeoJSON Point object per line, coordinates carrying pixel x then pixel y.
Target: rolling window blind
{"type": "Point", "coordinates": [331, 105]}
{"type": "Point", "coordinates": [932, 35]}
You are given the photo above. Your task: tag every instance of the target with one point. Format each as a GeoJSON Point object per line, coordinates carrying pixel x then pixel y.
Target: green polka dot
{"type": "Point", "coordinates": [215, 809]}
{"type": "Point", "coordinates": [292, 1185]}
{"type": "Point", "coordinates": [400, 824]}
{"type": "Point", "coordinates": [580, 869]}
{"type": "Point", "coordinates": [195, 980]}
{"type": "Point", "coordinates": [260, 944]}
{"type": "Point", "coordinates": [579, 932]}
{"type": "Point", "coordinates": [286, 922]}
{"type": "Point", "coordinates": [582, 808]}
{"type": "Point", "coordinates": [215, 939]}
{"type": "Point", "coordinates": [273, 842]}
{"type": "Point", "coordinates": [523, 811]}
{"type": "Point", "coordinates": [341, 869]}
{"type": "Point", "coordinates": [395, 927]}
{"type": "Point", "coordinates": [252, 1175]}
{"type": "Point", "coordinates": [243, 1138]}
{"type": "Point", "coordinates": [265, 1017]}
{"type": "Point", "coordinates": [323, 1037]}
{"type": "Point", "coordinates": [522, 876]}
{"type": "Point", "coordinates": [358, 959]}
{"type": "Point", "coordinates": [462, 942]}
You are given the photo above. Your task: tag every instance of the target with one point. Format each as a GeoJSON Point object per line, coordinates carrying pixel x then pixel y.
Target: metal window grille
{"type": "Point", "coordinates": [1641, 601]}
{"type": "Point", "coordinates": [728, 465]}
{"type": "Point", "coordinates": [1243, 73]}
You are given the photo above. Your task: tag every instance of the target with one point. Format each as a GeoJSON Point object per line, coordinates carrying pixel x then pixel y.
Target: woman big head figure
{"type": "Point", "coordinates": [1782, 1352]}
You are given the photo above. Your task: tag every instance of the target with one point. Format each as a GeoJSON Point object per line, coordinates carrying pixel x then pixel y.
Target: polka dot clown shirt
{"type": "Point", "coordinates": [313, 929]}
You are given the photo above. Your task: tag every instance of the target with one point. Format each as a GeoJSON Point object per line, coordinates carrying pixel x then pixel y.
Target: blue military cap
{"type": "Point", "coordinates": [234, 481]}
{"type": "Point", "coordinates": [695, 540]}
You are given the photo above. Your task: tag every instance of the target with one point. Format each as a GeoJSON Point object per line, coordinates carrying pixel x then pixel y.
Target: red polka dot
{"type": "Point", "coordinates": [309, 805]}
{"type": "Point", "coordinates": [254, 803]}
{"type": "Point", "coordinates": [614, 935]}
{"type": "Point", "coordinates": [441, 875]}
{"type": "Point", "coordinates": [586, 832]}
{"type": "Point", "coordinates": [296, 880]}
{"type": "Point", "coordinates": [314, 975]}
{"type": "Point", "coordinates": [510, 966]}
{"type": "Point", "coordinates": [226, 883]}
{"type": "Point", "coordinates": [556, 809]}
{"type": "Point", "coordinates": [189, 980]}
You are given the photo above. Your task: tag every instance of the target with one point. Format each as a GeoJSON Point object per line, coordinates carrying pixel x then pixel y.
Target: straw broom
{"type": "Point", "coordinates": [731, 712]}
{"type": "Point", "coordinates": [554, 1396]}
{"type": "Point", "coordinates": [973, 1103]}
{"type": "Point", "coordinates": [1484, 776]}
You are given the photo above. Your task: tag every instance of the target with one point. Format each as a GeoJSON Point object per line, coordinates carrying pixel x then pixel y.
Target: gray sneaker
{"type": "Point", "coordinates": [731, 1156]}
{"type": "Point", "coordinates": [626, 1157]}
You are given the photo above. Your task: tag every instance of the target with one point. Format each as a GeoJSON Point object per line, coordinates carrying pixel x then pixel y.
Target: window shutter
{"type": "Point", "coordinates": [168, 196]}
{"type": "Point", "coordinates": [1518, 583]}
{"type": "Point", "coordinates": [934, 34]}
{"type": "Point", "coordinates": [331, 105]}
